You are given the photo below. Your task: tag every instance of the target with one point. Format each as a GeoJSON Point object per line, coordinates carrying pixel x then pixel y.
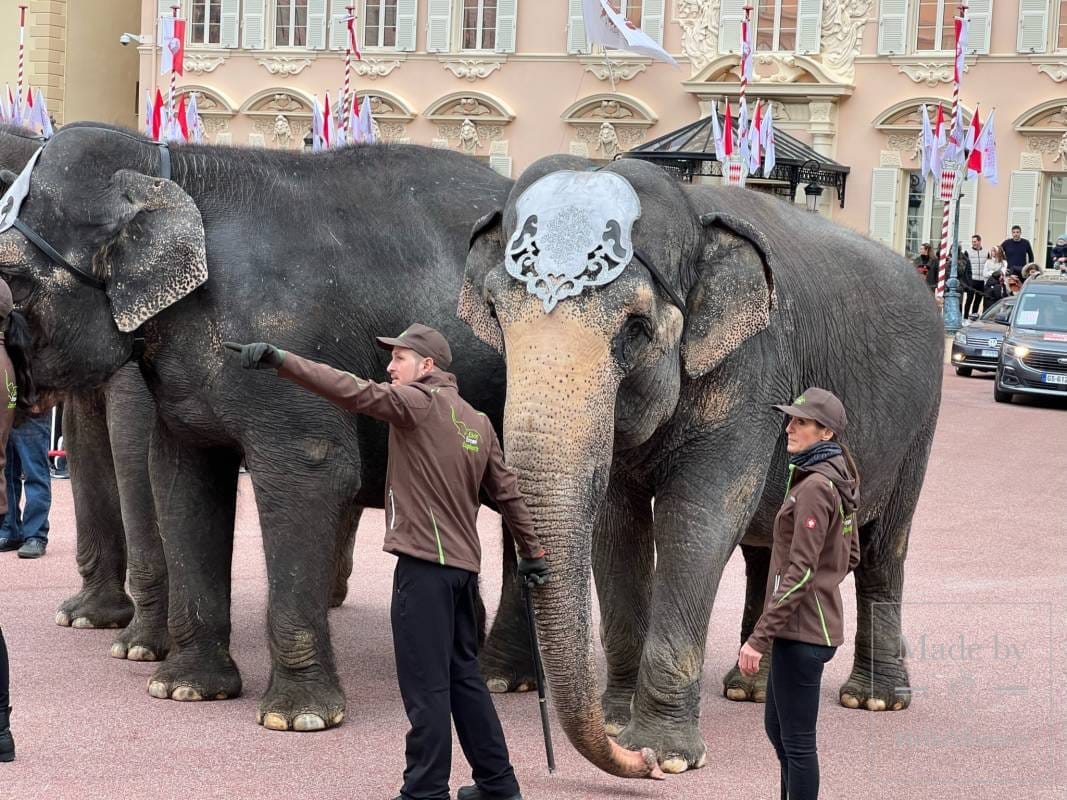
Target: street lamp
{"type": "Point", "coordinates": [812, 193]}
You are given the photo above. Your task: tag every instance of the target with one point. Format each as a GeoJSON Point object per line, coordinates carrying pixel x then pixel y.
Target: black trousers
{"type": "Point", "coordinates": [792, 712]}
{"type": "Point", "coordinates": [973, 298]}
{"type": "Point", "coordinates": [435, 638]}
{"type": "Point", "coordinates": [5, 699]}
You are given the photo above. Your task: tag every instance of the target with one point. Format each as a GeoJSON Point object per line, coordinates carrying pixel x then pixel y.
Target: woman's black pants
{"type": "Point", "coordinates": [792, 711]}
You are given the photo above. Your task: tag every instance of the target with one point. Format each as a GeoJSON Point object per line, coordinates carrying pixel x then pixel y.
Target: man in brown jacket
{"type": "Point", "coordinates": [441, 453]}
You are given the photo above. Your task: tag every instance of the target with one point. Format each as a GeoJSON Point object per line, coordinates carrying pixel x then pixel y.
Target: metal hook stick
{"type": "Point", "coordinates": [539, 674]}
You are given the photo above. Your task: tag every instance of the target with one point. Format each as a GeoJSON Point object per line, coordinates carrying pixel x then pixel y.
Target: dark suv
{"type": "Point", "coordinates": [1033, 357]}
{"type": "Point", "coordinates": [977, 346]}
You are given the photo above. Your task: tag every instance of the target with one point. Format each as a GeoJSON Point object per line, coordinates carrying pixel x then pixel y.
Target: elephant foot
{"type": "Point", "coordinates": [740, 687]}
{"type": "Point", "coordinates": [617, 710]}
{"type": "Point", "coordinates": [678, 747]}
{"type": "Point", "coordinates": [885, 691]}
{"type": "Point", "coordinates": [304, 700]}
{"type": "Point", "coordinates": [338, 594]}
{"type": "Point", "coordinates": [190, 676]}
{"type": "Point", "coordinates": [96, 608]}
{"type": "Point", "coordinates": [506, 661]}
{"type": "Point", "coordinates": [143, 640]}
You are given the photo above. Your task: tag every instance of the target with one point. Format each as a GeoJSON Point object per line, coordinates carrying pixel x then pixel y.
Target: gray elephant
{"type": "Point", "coordinates": [314, 253]}
{"type": "Point", "coordinates": [648, 328]}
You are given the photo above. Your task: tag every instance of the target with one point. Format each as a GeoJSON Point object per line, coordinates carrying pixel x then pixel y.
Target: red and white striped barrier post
{"type": "Point", "coordinates": [350, 20]}
{"type": "Point", "coordinates": [953, 167]}
{"type": "Point", "coordinates": [22, 57]}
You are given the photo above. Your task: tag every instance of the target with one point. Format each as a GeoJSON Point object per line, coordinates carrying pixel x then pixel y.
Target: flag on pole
{"type": "Point", "coordinates": [926, 143]}
{"type": "Point", "coordinates": [767, 140]}
{"type": "Point", "coordinates": [716, 132]}
{"type": "Point", "coordinates": [317, 124]}
{"type": "Point", "coordinates": [41, 113]}
{"type": "Point", "coordinates": [742, 131]}
{"type": "Point", "coordinates": [976, 159]}
{"type": "Point", "coordinates": [172, 39]}
{"type": "Point", "coordinates": [16, 108]}
{"type": "Point", "coordinates": [149, 111]}
{"type": "Point", "coordinates": [937, 143]}
{"type": "Point", "coordinates": [192, 121]}
{"type": "Point", "coordinates": [974, 130]}
{"type": "Point", "coordinates": [728, 132]}
{"type": "Point", "coordinates": [748, 47]}
{"type": "Point", "coordinates": [183, 120]}
{"type": "Point", "coordinates": [157, 116]}
{"type": "Point", "coordinates": [350, 21]}
{"type": "Point", "coordinates": [606, 26]}
{"type": "Point", "coordinates": [962, 24]}
{"type": "Point", "coordinates": [355, 133]}
{"type": "Point", "coordinates": [366, 122]}
{"type": "Point", "coordinates": [329, 126]}
{"type": "Point", "coordinates": [754, 138]}
{"type": "Point", "coordinates": [987, 146]}
{"type": "Point", "coordinates": [5, 112]}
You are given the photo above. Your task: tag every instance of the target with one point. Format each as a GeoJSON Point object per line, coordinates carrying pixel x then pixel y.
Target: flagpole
{"type": "Point", "coordinates": [22, 56]}
{"type": "Point", "coordinates": [951, 307]}
{"type": "Point", "coordinates": [345, 111]}
{"type": "Point", "coordinates": [744, 58]}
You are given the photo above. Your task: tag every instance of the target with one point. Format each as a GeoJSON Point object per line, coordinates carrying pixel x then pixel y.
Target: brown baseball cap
{"type": "Point", "coordinates": [424, 340]}
{"type": "Point", "coordinates": [821, 406]}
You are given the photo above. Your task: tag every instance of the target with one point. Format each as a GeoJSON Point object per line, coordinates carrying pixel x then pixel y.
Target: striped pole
{"type": "Point", "coordinates": [350, 21]}
{"type": "Point", "coordinates": [744, 58]}
{"type": "Point", "coordinates": [943, 257]}
{"type": "Point", "coordinates": [22, 56]}
{"type": "Point", "coordinates": [173, 82]}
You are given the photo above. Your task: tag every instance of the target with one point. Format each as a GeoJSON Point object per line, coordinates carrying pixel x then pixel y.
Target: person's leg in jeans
{"type": "Point", "coordinates": [7, 744]}
{"type": "Point", "coordinates": [477, 723]}
{"type": "Point", "coordinates": [12, 528]}
{"type": "Point", "coordinates": [422, 616]}
{"type": "Point", "coordinates": [31, 441]}
{"type": "Point", "coordinates": [797, 685]}
{"type": "Point", "coordinates": [772, 723]}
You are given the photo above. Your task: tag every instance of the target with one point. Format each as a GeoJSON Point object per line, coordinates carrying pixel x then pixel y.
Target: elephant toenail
{"type": "Point", "coordinates": [497, 685]}
{"type": "Point", "coordinates": [275, 722]}
{"type": "Point", "coordinates": [62, 620]}
{"type": "Point", "coordinates": [337, 718]}
{"type": "Point", "coordinates": [674, 765]}
{"type": "Point", "coordinates": [158, 689]}
{"type": "Point", "coordinates": [874, 704]}
{"type": "Point", "coordinates": [848, 701]}
{"type": "Point", "coordinates": [81, 623]}
{"type": "Point", "coordinates": [118, 650]}
{"type": "Point", "coordinates": [702, 760]}
{"type": "Point", "coordinates": [186, 694]}
{"type": "Point", "coordinates": [309, 722]}
{"type": "Point", "coordinates": [140, 653]}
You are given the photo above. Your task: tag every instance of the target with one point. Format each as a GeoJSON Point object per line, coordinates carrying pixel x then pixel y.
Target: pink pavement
{"type": "Point", "coordinates": [984, 620]}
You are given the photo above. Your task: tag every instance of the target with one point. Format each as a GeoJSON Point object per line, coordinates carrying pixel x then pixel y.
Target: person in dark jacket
{"type": "Point", "coordinates": [1017, 250]}
{"type": "Point", "coordinates": [441, 453]}
{"type": "Point", "coordinates": [1059, 254]}
{"type": "Point", "coordinates": [21, 394]}
{"type": "Point", "coordinates": [815, 544]}
{"type": "Point", "coordinates": [994, 288]}
{"type": "Point", "coordinates": [925, 263]}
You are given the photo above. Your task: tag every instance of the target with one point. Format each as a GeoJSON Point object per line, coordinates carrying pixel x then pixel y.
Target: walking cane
{"type": "Point", "coordinates": [539, 674]}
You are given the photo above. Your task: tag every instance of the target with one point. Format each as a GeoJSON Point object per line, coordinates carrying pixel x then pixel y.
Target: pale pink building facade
{"type": "Point", "coordinates": [845, 76]}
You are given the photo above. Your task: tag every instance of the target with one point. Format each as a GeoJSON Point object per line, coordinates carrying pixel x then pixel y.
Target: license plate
{"type": "Point", "coordinates": [1048, 377]}
{"type": "Point", "coordinates": [989, 354]}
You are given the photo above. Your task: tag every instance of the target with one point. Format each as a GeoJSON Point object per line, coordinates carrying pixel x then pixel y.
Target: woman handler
{"type": "Point", "coordinates": [815, 545]}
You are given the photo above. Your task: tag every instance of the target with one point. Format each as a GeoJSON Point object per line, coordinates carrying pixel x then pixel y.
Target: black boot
{"type": "Point", "coordinates": [7, 744]}
{"type": "Point", "coordinates": [474, 793]}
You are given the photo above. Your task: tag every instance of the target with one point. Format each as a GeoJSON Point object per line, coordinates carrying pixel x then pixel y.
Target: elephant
{"type": "Point", "coordinates": [648, 327]}
{"type": "Point", "coordinates": [159, 270]}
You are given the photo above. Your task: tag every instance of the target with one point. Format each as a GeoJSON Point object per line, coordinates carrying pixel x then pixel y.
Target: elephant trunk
{"type": "Point", "coordinates": [558, 436]}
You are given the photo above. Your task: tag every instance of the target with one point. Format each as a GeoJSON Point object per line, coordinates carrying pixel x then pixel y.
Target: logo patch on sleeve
{"type": "Point", "coordinates": [809, 522]}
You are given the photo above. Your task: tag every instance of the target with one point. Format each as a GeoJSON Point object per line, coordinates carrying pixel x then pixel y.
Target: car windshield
{"type": "Point", "coordinates": [1000, 308]}
{"type": "Point", "coordinates": [1042, 312]}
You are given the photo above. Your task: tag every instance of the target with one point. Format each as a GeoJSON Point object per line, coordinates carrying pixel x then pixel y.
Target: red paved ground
{"type": "Point", "coordinates": [987, 562]}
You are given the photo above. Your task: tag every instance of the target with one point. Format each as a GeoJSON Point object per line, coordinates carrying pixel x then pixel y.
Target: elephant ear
{"type": "Point", "coordinates": [486, 250]}
{"type": "Point", "coordinates": [158, 256]}
{"type": "Point", "coordinates": [733, 296]}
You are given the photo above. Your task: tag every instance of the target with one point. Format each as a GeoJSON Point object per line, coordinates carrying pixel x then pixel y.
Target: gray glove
{"type": "Point", "coordinates": [258, 355]}
{"type": "Point", "coordinates": [534, 571]}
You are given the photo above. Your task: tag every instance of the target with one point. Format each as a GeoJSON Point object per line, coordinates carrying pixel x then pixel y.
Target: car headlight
{"type": "Point", "coordinates": [1016, 350]}
{"type": "Point", "coordinates": [960, 338]}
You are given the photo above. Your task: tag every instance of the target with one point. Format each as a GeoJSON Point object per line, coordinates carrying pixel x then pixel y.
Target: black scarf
{"type": "Point", "coordinates": [823, 451]}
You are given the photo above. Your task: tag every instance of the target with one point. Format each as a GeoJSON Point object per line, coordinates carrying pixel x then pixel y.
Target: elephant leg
{"type": "Point", "coordinates": [698, 524]}
{"type": "Point", "coordinates": [736, 686]}
{"type": "Point", "coordinates": [624, 558]}
{"type": "Point", "coordinates": [195, 491]}
{"type": "Point", "coordinates": [506, 660]}
{"type": "Point", "coordinates": [101, 550]}
{"type": "Point", "coordinates": [300, 510]}
{"type": "Point", "coordinates": [342, 561]}
{"type": "Point", "coordinates": [131, 416]}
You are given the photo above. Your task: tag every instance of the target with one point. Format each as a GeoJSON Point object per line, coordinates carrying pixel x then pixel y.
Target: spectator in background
{"type": "Point", "coordinates": [1059, 254]}
{"type": "Point", "coordinates": [1017, 250]}
{"type": "Point", "coordinates": [926, 264]}
{"type": "Point", "coordinates": [978, 256]}
{"type": "Point", "coordinates": [994, 288]}
{"type": "Point", "coordinates": [27, 466]}
{"type": "Point", "coordinates": [1014, 285]}
{"type": "Point", "coordinates": [1030, 270]}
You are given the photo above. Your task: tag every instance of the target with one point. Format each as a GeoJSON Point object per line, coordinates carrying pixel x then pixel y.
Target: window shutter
{"type": "Point", "coordinates": [652, 19]}
{"type": "Point", "coordinates": [968, 213]}
{"type": "Point", "coordinates": [1022, 201]}
{"type": "Point", "coordinates": [733, 11]}
{"type": "Point", "coordinates": [506, 13]}
{"type": "Point", "coordinates": [316, 24]}
{"type": "Point", "coordinates": [892, 27]}
{"type": "Point", "coordinates": [255, 34]}
{"type": "Point", "coordinates": [438, 26]}
{"type": "Point", "coordinates": [884, 186]}
{"type": "Point", "coordinates": [406, 15]}
{"type": "Point", "coordinates": [338, 28]}
{"type": "Point", "coordinates": [230, 19]}
{"type": "Point", "coordinates": [1033, 26]}
{"type": "Point", "coordinates": [809, 26]}
{"type": "Point", "coordinates": [981, 14]}
{"type": "Point", "coordinates": [576, 41]}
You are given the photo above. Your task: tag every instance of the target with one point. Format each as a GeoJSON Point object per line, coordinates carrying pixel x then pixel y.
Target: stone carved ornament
{"type": "Point", "coordinates": [842, 36]}
{"type": "Point", "coordinates": [198, 63]}
{"type": "Point", "coordinates": [1050, 145]}
{"type": "Point", "coordinates": [472, 69]}
{"type": "Point", "coordinates": [573, 232]}
{"type": "Point", "coordinates": [606, 71]}
{"type": "Point", "coordinates": [1058, 72]}
{"type": "Point", "coordinates": [284, 65]}
{"type": "Point", "coordinates": [470, 136]}
{"type": "Point", "coordinates": [930, 73]}
{"type": "Point", "coordinates": [908, 143]}
{"type": "Point", "coordinates": [372, 68]}
{"type": "Point", "coordinates": [610, 140]}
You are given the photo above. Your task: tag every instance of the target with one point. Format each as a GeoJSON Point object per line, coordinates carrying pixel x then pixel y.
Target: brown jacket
{"type": "Point", "coordinates": [441, 452]}
{"type": "Point", "coordinates": [816, 543]}
{"type": "Point", "coordinates": [7, 416]}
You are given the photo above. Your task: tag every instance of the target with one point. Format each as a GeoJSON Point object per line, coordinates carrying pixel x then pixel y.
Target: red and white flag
{"type": "Point", "coordinates": [983, 158]}
{"type": "Point", "coordinates": [329, 126]}
{"type": "Point", "coordinates": [355, 135]}
{"type": "Point", "coordinates": [974, 130]}
{"type": "Point", "coordinates": [606, 26]}
{"type": "Point", "coordinates": [192, 121]}
{"type": "Point", "coordinates": [728, 133]}
{"type": "Point", "coordinates": [149, 111]}
{"type": "Point", "coordinates": [317, 125]}
{"type": "Point", "coordinates": [962, 24]}
{"type": "Point", "coordinates": [937, 142]}
{"type": "Point", "coordinates": [926, 143]}
{"type": "Point", "coordinates": [157, 117]}
{"type": "Point", "coordinates": [183, 120]}
{"type": "Point", "coordinates": [716, 132]}
{"type": "Point", "coordinates": [350, 21]}
{"type": "Point", "coordinates": [15, 106]}
{"type": "Point", "coordinates": [172, 39]}
{"type": "Point", "coordinates": [366, 122]}
{"type": "Point", "coordinates": [748, 48]}
{"type": "Point", "coordinates": [755, 137]}
{"type": "Point", "coordinates": [767, 140]}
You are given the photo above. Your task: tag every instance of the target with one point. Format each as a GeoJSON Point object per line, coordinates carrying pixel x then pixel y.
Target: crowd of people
{"type": "Point", "coordinates": [987, 275]}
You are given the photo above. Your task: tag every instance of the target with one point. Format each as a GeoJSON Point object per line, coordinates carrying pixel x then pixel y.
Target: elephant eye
{"type": "Point", "coordinates": [636, 333]}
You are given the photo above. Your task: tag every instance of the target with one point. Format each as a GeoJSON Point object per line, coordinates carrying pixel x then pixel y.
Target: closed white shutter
{"type": "Point", "coordinates": [1022, 201]}
{"type": "Point", "coordinates": [316, 24]}
{"type": "Point", "coordinates": [652, 19]}
{"type": "Point", "coordinates": [501, 164]}
{"type": "Point", "coordinates": [230, 20]}
{"type": "Point", "coordinates": [438, 25]}
{"type": "Point", "coordinates": [730, 16]}
{"type": "Point", "coordinates": [1033, 26]}
{"type": "Point", "coordinates": [885, 183]}
{"type": "Point", "coordinates": [968, 214]}
{"type": "Point", "coordinates": [506, 13]}
{"type": "Point", "coordinates": [981, 14]}
{"type": "Point", "coordinates": [255, 33]}
{"type": "Point", "coordinates": [576, 41]}
{"type": "Point", "coordinates": [892, 26]}
{"type": "Point", "coordinates": [163, 9]}
{"type": "Point", "coordinates": [338, 27]}
{"type": "Point", "coordinates": [809, 26]}
{"type": "Point", "coordinates": [406, 15]}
